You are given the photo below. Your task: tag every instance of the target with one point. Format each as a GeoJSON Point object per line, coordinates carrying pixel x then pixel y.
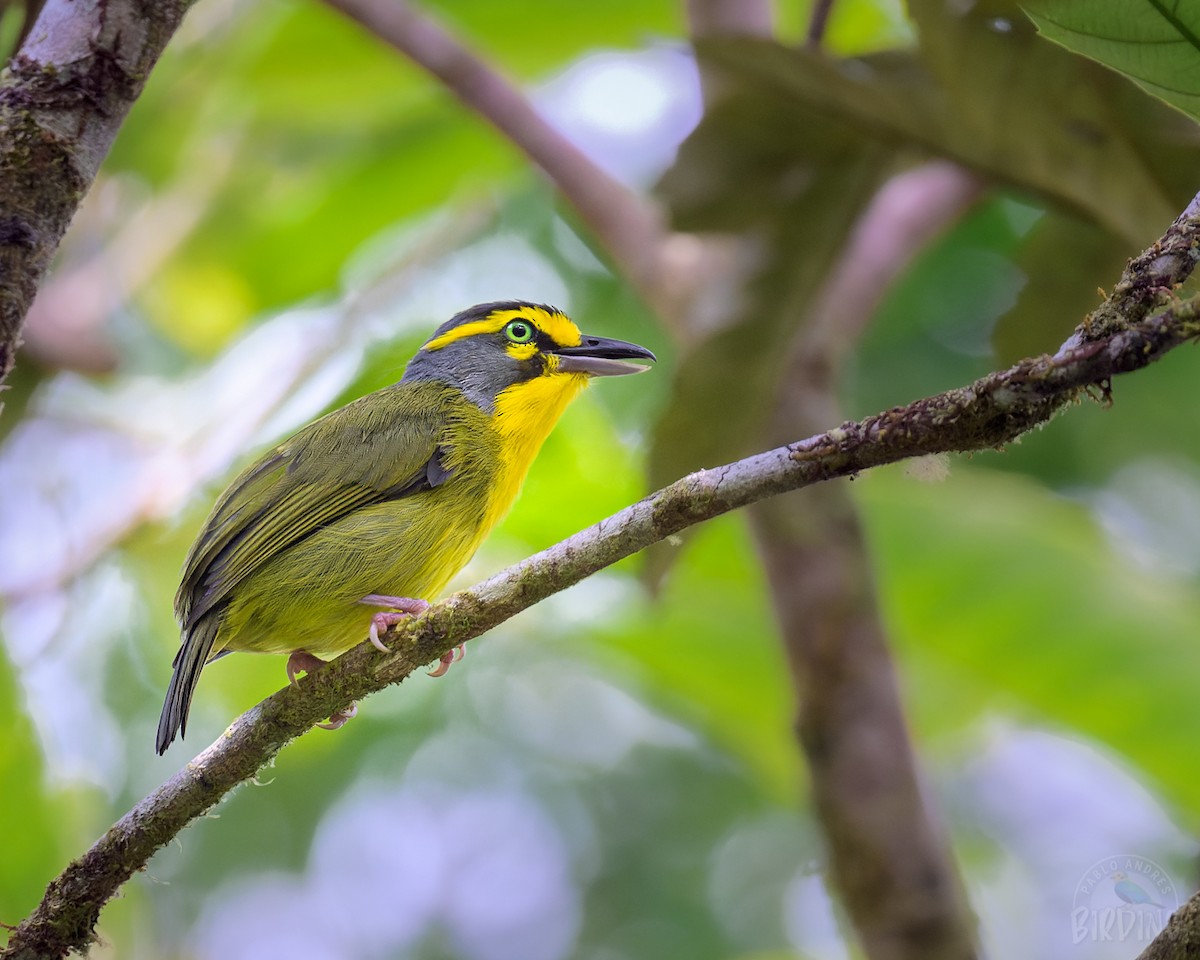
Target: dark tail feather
{"type": "Point", "coordinates": [189, 661]}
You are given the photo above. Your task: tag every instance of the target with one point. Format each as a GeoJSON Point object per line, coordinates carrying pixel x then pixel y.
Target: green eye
{"type": "Point", "coordinates": [519, 331]}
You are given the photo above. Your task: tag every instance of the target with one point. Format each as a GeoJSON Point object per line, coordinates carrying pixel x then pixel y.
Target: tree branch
{"type": "Point", "coordinates": [887, 851]}
{"type": "Point", "coordinates": [989, 413]}
{"type": "Point", "coordinates": [628, 228]}
{"type": "Point", "coordinates": [62, 101]}
{"type": "Point", "coordinates": [1180, 938]}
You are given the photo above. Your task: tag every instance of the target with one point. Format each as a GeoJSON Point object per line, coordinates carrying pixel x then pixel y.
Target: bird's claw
{"type": "Point", "coordinates": [373, 633]}
{"type": "Point", "coordinates": [340, 718]}
{"type": "Point", "coordinates": [301, 661]}
{"type": "Point", "coordinates": [383, 620]}
{"type": "Point", "coordinates": [447, 658]}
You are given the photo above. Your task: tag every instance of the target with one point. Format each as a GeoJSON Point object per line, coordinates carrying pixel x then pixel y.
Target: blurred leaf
{"type": "Point", "coordinates": [792, 182]}
{"type": "Point", "coordinates": [1155, 44]}
{"type": "Point", "coordinates": [13, 17]}
{"type": "Point", "coordinates": [1009, 594]}
{"type": "Point", "coordinates": [1065, 259]}
{"type": "Point", "coordinates": [711, 651]}
{"type": "Point", "coordinates": [909, 352]}
{"type": "Point", "coordinates": [780, 160]}
{"type": "Point", "coordinates": [1103, 125]}
{"type": "Point", "coordinates": [988, 93]}
{"type": "Point", "coordinates": [198, 304]}
{"type": "Point", "coordinates": [855, 27]}
{"type": "Point", "coordinates": [934, 327]}
{"type": "Point", "coordinates": [534, 36]}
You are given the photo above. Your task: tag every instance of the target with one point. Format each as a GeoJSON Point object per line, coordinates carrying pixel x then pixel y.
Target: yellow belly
{"type": "Point", "coordinates": [308, 597]}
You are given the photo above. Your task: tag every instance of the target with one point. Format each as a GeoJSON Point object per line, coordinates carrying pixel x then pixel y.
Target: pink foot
{"type": "Point", "coordinates": [448, 658]}
{"type": "Point", "coordinates": [338, 720]}
{"type": "Point", "coordinates": [301, 661]}
{"type": "Point", "coordinates": [402, 607]}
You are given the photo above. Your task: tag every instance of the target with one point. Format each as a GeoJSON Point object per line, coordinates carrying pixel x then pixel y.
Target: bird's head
{"type": "Point", "coordinates": [501, 351]}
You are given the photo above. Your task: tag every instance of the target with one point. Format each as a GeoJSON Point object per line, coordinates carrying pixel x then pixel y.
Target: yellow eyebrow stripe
{"type": "Point", "coordinates": [555, 325]}
{"type": "Point", "coordinates": [490, 325]}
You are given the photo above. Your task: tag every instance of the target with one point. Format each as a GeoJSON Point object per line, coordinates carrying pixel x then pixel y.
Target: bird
{"type": "Point", "coordinates": [1131, 892]}
{"type": "Point", "coordinates": [363, 516]}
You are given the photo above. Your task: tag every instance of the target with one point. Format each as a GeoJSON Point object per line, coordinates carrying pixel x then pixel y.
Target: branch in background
{"type": "Point", "coordinates": [887, 853]}
{"type": "Point", "coordinates": [64, 326]}
{"type": "Point", "coordinates": [818, 20]}
{"type": "Point", "coordinates": [889, 858]}
{"type": "Point", "coordinates": [890, 862]}
{"type": "Point", "coordinates": [726, 18]}
{"type": "Point", "coordinates": [730, 18]}
{"type": "Point", "coordinates": [627, 227]}
{"type": "Point", "coordinates": [908, 213]}
{"type": "Point", "coordinates": [986, 414]}
{"type": "Point", "coordinates": [61, 103]}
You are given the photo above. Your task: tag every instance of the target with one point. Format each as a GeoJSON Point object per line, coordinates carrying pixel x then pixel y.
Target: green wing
{"type": "Point", "coordinates": [381, 447]}
{"type": "Point", "coordinates": [385, 446]}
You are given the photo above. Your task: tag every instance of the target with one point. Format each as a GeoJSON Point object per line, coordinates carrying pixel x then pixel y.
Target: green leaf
{"type": "Point", "coordinates": [1156, 43]}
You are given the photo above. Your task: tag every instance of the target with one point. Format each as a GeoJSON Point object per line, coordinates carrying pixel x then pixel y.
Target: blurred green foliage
{"type": "Point", "coordinates": [335, 206]}
{"type": "Point", "coordinates": [33, 851]}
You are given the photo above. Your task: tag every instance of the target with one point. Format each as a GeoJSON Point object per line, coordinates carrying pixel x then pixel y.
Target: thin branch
{"type": "Point", "coordinates": [818, 20]}
{"type": "Point", "coordinates": [887, 852]}
{"type": "Point", "coordinates": [989, 413]}
{"type": "Point", "coordinates": [62, 101]}
{"type": "Point", "coordinates": [64, 325]}
{"type": "Point", "coordinates": [629, 228]}
{"type": "Point", "coordinates": [726, 18]}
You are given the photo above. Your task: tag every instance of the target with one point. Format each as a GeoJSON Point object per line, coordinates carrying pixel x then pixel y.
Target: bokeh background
{"type": "Point", "coordinates": [612, 775]}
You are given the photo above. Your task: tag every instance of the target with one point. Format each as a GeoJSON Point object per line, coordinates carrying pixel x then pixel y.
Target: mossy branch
{"type": "Point", "coordinates": [1136, 325]}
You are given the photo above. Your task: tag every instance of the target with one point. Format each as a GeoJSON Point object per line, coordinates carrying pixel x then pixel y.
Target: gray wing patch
{"type": "Point", "coordinates": [436, 472]}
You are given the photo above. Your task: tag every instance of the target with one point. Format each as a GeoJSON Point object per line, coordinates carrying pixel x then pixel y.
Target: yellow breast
{"type": "Point", "coordinates": [525, 414]}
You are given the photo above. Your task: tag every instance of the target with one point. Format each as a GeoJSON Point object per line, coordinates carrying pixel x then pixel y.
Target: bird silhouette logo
{"type": "Point", "coordinates": [1122, 898]}
{"type": "Point", "coordinates": [1131, 892]}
